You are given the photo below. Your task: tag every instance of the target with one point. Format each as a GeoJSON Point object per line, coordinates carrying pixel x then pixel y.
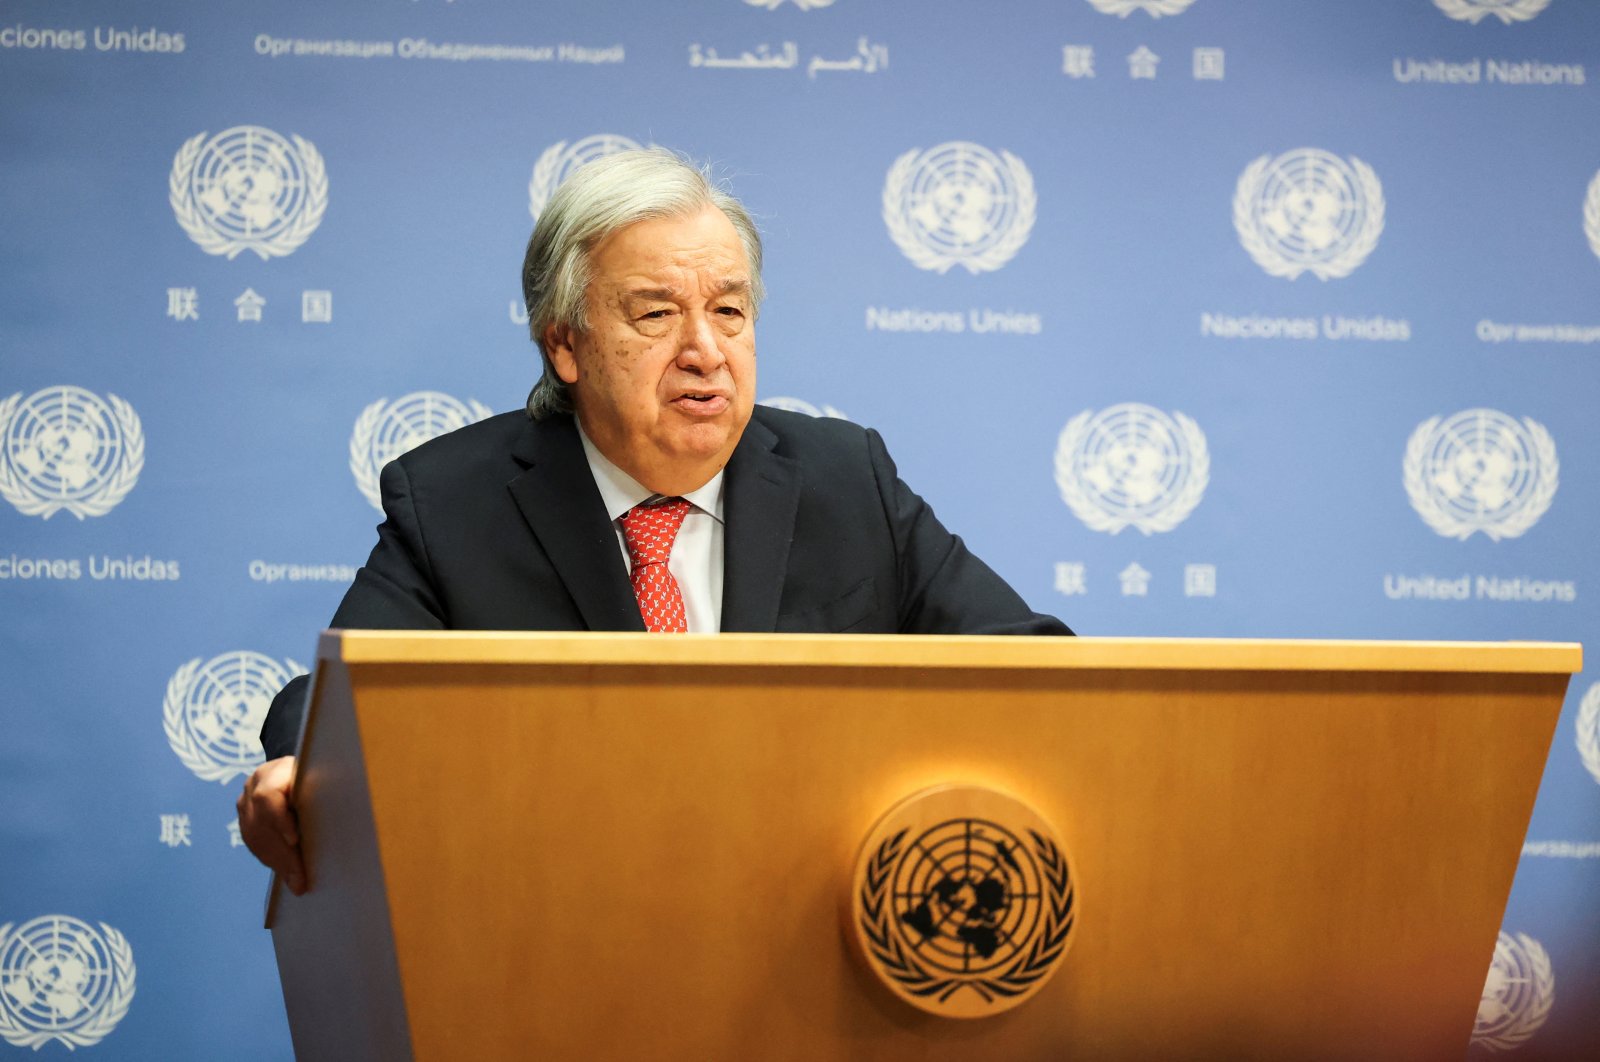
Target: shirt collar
{"type": "Point", "coordinates": [621, 492]}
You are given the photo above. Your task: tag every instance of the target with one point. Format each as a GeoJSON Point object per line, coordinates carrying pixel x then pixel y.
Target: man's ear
{"type": "Point", "coordinates": [558, 348]}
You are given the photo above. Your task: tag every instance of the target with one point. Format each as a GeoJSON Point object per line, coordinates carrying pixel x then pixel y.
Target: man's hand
{"type": "Point", "coordinates": [268, 824]}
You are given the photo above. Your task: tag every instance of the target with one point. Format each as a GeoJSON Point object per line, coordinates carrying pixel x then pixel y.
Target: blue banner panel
{"type": "Point", "coordinates": [1193, 317]}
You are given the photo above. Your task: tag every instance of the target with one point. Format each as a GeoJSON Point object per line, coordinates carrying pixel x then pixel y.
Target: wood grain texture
{"type": "Point", "coordinates": [593, 855]}
{"type": "Point", "coordinates": [895, 651]}
{"type": "Point", "coordinates": [344, 999]}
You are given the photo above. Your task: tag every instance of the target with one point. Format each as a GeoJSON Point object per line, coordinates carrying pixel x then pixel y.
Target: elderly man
{"type": "Point", "coordinates": [642, 489]}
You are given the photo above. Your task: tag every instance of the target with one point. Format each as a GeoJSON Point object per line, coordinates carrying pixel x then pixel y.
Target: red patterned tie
{"type": "Point", "coordinates": [649, 531]}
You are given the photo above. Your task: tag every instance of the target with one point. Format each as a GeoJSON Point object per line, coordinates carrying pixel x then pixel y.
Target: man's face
{"type": "Point", "coordinates": [664, 374]}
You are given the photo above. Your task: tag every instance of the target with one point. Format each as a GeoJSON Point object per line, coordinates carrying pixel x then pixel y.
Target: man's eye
{"type": "Point", "coordinates": [730, 311]}
{"type": "Point", "coordinates": [655, 315]}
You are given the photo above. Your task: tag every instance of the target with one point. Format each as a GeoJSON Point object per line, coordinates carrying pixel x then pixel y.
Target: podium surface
{"type": "Point", "coordinates": [631, 845]}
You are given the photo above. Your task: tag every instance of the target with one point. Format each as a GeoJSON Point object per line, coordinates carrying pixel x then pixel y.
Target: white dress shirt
{"type": "Point", "coordinates": [696, 559]}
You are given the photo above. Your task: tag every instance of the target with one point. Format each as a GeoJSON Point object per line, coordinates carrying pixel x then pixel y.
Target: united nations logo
{"type": "Point", "coordinates": [60, 979]}
{"type": "Point", "coordinates": [385, 430]}
{"type": "Point", "coordinates": [248, 189]}
{"type": "Point", "coordinates": [1507, 11]}
{"type": "Point", "coordinates": [959, 204]}
{"type": "Point", "coordinates": [1588, 728]}
{"type": "Point", "coordinates": [1480, 470]}
{"type": "Point", "coordinates": [213, 711]}
{"type": "Point", "coordinates": [1132, 465]}
{"type": "Point", "coordinates": [1591, 215]}
{"type": "Point", "coordinates": [67, 448]}
{"type": "Point", "coordinates": [962, 901]}
{"type": "Point", "coordinates": [1308, 210]}
{"type": "Point", "coordinates": [800, 405]}
{"type": "Point", "coordinates": [1154, 8]}
{"type": "Point", "coordinates": [1517, 994]}
{"type": "Point", "coordinates": [561, 158]}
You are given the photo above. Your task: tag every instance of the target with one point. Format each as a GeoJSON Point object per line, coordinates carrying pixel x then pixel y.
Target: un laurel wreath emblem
{"type": "Point", "coordinates": [557, 162]}
{"type": "Point", "coordinates": [65, 448]}
{"type": "Point", "coordinates": [1591, 215]}
{"type": "Point", "coordinates": [1588, 730]}
{"type": "Point", "coordinates": [385, 430]}
{"type": "Point", "coordinates": [1507, 11]}
{"type": "Point", "coordinates": [1308, 211]}
{"type": "Point", "coordinates": [800, 405]}
{"type": "Point", "coordinates": [1480, 470]}
{"type": "Point", "coordinates": [1516, 995]}
{"type": "Point", "coordinates": [212, 711]}
{"type": "Point", "coordinates": [1132, 465]}
{"type": "Point", "coordinates": [248, 189]}
{"type": "Point", "coordinates": [62, 980]}
{"type": "Point", "coordinates": [963, 903]}
{"type": "Point", "coordinates": [1153, 8]}
{"type": "Point", "coordinates": [959, 203]}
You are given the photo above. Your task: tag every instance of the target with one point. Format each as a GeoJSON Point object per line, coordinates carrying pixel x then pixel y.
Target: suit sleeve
{"type": "Point", "coordinates": [943, 588]}
{"type": "Point", "coordinates": [394, 590]}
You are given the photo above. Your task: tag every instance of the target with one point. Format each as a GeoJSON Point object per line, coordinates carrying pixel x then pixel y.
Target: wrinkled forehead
{"type": "Point", "coordinates": [701, 249]}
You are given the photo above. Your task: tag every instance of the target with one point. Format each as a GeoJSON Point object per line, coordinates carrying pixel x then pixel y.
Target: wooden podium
{"type": "Point", "coordinates": [527, 846]}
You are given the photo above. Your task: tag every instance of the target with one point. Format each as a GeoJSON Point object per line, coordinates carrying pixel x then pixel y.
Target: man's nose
{"type": "Point", "coordinates": [698, 349]}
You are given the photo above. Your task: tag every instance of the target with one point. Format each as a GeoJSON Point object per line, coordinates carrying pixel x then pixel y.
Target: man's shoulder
{"type": "Point", "coordinates": [800, 432]}
{"type": "Point", "coordinates": [487, 444]}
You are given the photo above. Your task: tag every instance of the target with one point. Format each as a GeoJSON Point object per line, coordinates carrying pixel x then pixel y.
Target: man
{"type": "Point", "coordinates": [641, 489]}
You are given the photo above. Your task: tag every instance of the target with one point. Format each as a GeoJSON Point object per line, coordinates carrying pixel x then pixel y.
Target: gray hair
{"type": "Point", "coordinates": [601, 197]}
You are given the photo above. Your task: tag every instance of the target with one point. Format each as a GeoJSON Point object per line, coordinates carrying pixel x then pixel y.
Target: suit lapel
{"type": "Point", "coordinates": [558, 498]}
{"type": "Point", "coordinates": [762, 492]}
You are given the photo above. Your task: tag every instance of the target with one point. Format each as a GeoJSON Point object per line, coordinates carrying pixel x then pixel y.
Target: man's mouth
{"type": "Point", "coordinates": [700, 403]}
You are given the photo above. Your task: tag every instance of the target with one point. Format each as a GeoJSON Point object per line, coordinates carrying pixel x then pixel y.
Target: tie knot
{"type": "Point", "coordinates": [649, 530]}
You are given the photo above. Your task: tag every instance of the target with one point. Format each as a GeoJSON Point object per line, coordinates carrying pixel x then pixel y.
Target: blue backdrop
{"type": "Point", "coordinates": [1195, 317]}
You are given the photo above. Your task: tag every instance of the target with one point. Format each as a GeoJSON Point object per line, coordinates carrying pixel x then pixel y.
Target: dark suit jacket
{"type": "Point", "coordinates": [499, 526]}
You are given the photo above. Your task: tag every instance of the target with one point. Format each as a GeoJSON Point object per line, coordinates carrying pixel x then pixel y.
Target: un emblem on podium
{"type": "Point", "coordinates": [248, 189]}
{"type": "Point", "coordinates": [1481, 470]}
{"type": "Point", "coordinates": [962, 902]}
{"type": "Point", "coordinates": [1308, 211]}
{"type": "Point", "coordinates": [67, 448]}
{"type": "Point", "coordinates": [61, 979]}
